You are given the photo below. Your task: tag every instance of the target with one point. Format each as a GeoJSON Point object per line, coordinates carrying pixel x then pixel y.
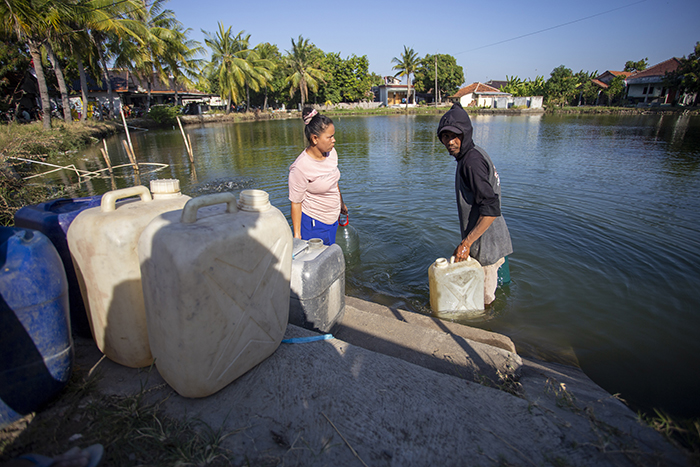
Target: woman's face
{"type": "Point", "coordinates": [326, 140]}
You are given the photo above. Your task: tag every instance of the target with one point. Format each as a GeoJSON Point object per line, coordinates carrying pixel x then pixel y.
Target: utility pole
{"type": "Point", "coordinates": [436, 88]}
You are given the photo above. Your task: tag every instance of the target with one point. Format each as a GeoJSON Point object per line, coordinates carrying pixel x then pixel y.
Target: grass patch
{"type": "Point", "coordinates": [684, 434]}
{"type": "Point", "coordinates": [133, 429]}
{"type": "Point", "coordinates": [31, 142]}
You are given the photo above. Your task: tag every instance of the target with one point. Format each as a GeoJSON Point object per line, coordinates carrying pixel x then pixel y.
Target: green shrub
{"type": "Point", "coordinates": [164, 114]}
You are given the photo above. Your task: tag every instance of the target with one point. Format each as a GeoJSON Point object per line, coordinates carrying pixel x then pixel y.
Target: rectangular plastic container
{"type": "Point", "coordinates": [456, 287]}
{"type": "Point", "coordinates": [216, 288]}
{"type": "Point", "coordinates": [103, 244]}
{"type": "Point", "coordinates": [317, 299]}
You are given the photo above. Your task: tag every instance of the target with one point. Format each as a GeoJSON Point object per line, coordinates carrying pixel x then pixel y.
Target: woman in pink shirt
{"type": "Point", "coordinates": [313, 182]}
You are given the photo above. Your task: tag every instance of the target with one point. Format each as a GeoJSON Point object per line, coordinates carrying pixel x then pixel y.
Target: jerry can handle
{"type": "Point", "coordinates": [189, 212]}
{"type": "Point", "coordinates": [109, 199]}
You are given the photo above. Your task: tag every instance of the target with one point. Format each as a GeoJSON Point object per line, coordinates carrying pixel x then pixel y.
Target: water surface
{"type": "Point", "coordinates": [603, 211]}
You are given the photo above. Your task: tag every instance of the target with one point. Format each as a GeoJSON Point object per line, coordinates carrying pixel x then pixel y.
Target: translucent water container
{"type": "Point", "coordinates": [349, 240]}
{"type": "Point", "coordinates": [216, 288]}
{"type": "Point", "coordinates": [53, 218]}
{"type": "Point", "coordinates": [456, 287]}
{"type": "Point", "coordinates": [103, 243]}
{"type": "Point", "coordinates": [317, 299]}
{"type": "Point", "coordinates": [36, 347]}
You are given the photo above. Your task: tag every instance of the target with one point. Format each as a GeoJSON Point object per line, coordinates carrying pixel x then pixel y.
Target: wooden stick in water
{"type": "Point", "coordinates": [189, 148]}
{"type": "Point", "coordinates": [126, 129]}
{"type": "Point", "coordinates": [105, 154]}
{"type": "Point", "coordinates": [184, 138]}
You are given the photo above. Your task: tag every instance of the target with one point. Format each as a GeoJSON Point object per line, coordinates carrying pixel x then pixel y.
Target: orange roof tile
{"type": "Point", "coordinates": [660, 69]}
{"type": "Point", "coordinates": [474, 88]}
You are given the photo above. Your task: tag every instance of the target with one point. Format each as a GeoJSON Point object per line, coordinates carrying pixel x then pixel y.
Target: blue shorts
{"type": "Point", "coordinates": [311, 228]}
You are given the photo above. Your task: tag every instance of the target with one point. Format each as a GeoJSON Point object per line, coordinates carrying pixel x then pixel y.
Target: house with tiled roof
{"type": "Point", "coordinates": [648, 87]}
{"type": "Point", "coordinates": [498, 84]}
{"type": "Point", "coordinates": [603, 81]}
{"type": "Point", "coordinates": [393, 93]}
{"type": "Point", "coordinates": [480, 95]}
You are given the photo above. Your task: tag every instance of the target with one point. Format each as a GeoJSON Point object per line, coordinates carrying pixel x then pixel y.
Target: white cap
{"type": "Point", "coordinates": [166, 188]}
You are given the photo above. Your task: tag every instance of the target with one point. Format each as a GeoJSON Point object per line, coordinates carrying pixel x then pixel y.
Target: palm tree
{"type": "Point", "coordinates": [97, 23]}
{"type": "Point", "coordinates": [32, 22]}
{"type": "Point", "coordinates": [406, 66]}
{"type": "Point", "coordinates": [145, 55]}
{"type": "Point", "coordinates": [260, 75]}
{"type": "Point", "coordinates": [180, 62]}
{"type": "Point", "coordinates": [229, 59]}
{"type": "Point", "coordinates": [304, 70]}
{"type": "Point", "coordinates": [271, 54]}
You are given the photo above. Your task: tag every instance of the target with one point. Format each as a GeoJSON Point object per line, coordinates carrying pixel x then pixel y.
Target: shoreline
{"type": "Point", "coordinates": [391, 388]}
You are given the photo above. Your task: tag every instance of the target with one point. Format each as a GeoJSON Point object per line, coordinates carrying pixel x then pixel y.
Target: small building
{"type": "Point", "coordinates": [392, 92]}
{"type": "Point", "coordinates": [648, 86]}
{"type": "Point", "coordinates": [603, 81]}
{"type": "Point", "coordinates": [479, 95]}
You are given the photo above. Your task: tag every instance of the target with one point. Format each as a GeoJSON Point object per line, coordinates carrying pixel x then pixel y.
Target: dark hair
{"type": "Point", "coordinates": [316, 125]}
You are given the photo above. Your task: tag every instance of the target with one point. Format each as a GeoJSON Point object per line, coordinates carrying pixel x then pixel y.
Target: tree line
{"type": "Point", "coordinates": [63, 41]}
{"type": "Point", "coordinates": [80, 38]}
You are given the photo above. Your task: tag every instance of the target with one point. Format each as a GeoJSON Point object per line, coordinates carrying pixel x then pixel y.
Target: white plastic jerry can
{"type": "Point", "coordinates": [103, 244]}
{"type": "Point", "coordinates": [456, 287]}
{"type": "Point", "coordinates": [216, 281]}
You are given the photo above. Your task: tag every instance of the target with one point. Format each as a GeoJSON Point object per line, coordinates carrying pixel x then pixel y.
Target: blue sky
{"type": "Point", "coordinates": [489, 39]}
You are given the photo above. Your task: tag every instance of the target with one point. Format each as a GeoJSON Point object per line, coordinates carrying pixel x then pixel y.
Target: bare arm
{"type": "Point", "coordinates": [343, 207]}
{"type": "Point", "coordinates": [296, 220]}
{"type": "Point", "coordinates": [482, 224]}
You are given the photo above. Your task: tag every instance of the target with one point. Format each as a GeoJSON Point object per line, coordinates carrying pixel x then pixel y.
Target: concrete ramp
{"type": "Point", "coordinates": [335, 403]}
{"type": "Point", "coordinates": [448, 348]}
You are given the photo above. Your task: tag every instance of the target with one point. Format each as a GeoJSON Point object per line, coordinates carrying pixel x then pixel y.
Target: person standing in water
{"type": "Point", "coordinates": [313, 182]}
{"type": "Point", "coordinates": [485, 236]}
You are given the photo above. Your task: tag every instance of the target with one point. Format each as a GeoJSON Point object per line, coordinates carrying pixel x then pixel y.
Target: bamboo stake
{"type": "Point", "coordinates": [187, 146]}
{"type": "Point", "coordinates": [126, 129]}
{"type": "Point", "coordinates": [105, 154]}
{"type": "Point", "coordinates": [131, 156]}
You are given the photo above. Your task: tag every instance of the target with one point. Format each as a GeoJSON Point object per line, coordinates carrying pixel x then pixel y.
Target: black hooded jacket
{"type": "Point", "coordinates": [478, 191]}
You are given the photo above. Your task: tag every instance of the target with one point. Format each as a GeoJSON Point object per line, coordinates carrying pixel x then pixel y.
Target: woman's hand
{"type": "Point", "coordinates": [343, 209]}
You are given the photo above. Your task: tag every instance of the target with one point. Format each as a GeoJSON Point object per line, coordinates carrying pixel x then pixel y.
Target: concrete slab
{"type": "Point", "coordinates": [449, 348]}
{"type": "Point", "coordinates": [334, 403]}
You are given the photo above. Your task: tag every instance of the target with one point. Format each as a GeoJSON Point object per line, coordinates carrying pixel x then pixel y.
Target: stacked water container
{"type": "Point", "coordinates": [216, 286]}
{"type": "Point", "coordinates": [36, 348]}
{"type": "Point", "coordinates": [102, 242]}
{"type": "Point", "coordinates": [53, 218]}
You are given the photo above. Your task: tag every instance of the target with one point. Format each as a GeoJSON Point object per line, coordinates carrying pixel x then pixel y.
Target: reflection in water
{"type": "Point", "coordinates": [219, 185]}
{"type": "Point", "coordinates": [603, 211]}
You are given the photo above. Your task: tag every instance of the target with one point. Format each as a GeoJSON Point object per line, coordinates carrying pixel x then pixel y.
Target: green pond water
{"type": "Point", "coordinates": [604, 214]}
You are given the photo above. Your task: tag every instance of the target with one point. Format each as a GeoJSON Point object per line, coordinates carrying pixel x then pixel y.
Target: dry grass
{"type": "Point", "coordinates": [31, 142]}
{"type": "Point", "coordinates": [133, 429]}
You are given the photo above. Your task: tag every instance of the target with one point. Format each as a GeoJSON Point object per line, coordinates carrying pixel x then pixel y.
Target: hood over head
{"type": "Point", "coordinates": [457, 121]}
